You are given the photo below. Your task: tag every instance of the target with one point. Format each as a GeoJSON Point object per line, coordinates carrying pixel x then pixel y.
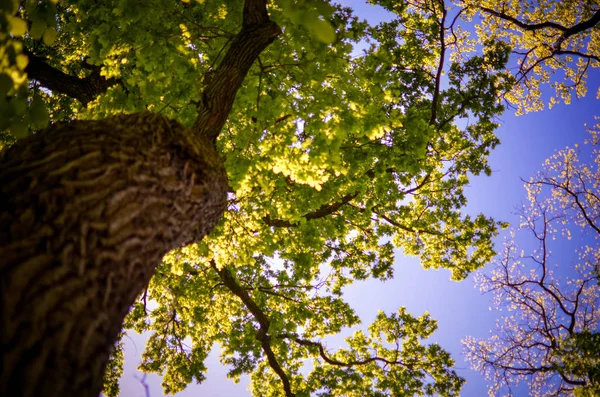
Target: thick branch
{"type": "Point", "coordinates": [566, 31]}
{"type": "Point", "coordinates": [523, 25]}
{"type": "Point", "coordinates": [332, 361]}
{"type": "Point", "coordinates": [255, 13]}
{"type": "Point", "coordinates": [262, 334]}
{"type": "Point", "coordinates": [266, 345]}
{"type": "Point", "coordinates": [222, 84]}
{"type": "Point", "coordinates": [438, 75]}
{"type": "Point", "coordinates": [323, 211]}
{"type": "Point", "coordinates": [230, 282]}
{"type": "Point", "coordinates": [585, 25]}
{"type": "Point", "coordinates": [84, 90]}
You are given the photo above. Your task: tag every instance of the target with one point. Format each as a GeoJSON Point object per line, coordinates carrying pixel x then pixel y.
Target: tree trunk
{"type": "Point", "coordinates": [87, 211]}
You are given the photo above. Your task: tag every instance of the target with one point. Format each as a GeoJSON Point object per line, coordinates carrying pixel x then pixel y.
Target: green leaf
{"type": "Point", "coordinates": [18, 128]}
{"type": "Point", "coordinates": [22, 61]}
{"type": "Point", "coordinates": [49, 36]}
{"type": "Point", "coordinates": [323, 30]}
{"type": "Point", "coordinates": [19, 105]}
{"type": "Point", "coordinates": [38, 113]}
{"type": "Point", "coordinates": [18, 26]}
{"type": "Point", "coordinates": [6, 84]}
{"type": "Point", "coordinates": [9, 6]}
{"type": "Point", "coordinates": [38, 27]}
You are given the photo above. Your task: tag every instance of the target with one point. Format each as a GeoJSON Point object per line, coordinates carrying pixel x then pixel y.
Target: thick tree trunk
{"type": "Point", "coordinates": [87, 210]}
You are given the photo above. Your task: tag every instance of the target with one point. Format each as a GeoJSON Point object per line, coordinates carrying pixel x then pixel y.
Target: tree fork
{"type": "Point", "coordinates": [87, 211]}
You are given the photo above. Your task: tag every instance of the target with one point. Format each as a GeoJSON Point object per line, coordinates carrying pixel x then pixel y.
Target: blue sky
{"type": "Point", "coordinates": [459, 308]}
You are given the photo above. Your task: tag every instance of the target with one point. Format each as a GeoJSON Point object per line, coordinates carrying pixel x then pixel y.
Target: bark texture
{"type": "Point", "coordinates": [87, 211]}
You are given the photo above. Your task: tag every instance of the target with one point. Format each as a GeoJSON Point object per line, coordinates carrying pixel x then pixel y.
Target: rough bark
{"type": "Point", "coordinates": [88, 209]}
{"type": "Point", "coordinates": [222, 84]}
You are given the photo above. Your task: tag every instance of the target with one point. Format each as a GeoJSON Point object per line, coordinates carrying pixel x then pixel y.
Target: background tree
{"type": "Point", "coordinates": [555, 43]}
{"type": "Point", "coordinates": [551, 338]}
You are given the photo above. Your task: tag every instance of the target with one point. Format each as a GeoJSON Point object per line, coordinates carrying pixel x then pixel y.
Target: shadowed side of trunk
{"type": "Point", "coordinates": [87, 210]}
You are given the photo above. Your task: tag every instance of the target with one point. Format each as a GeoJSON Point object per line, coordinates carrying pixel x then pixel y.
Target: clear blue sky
{"type": "Point", "coordinates": [459, 307]}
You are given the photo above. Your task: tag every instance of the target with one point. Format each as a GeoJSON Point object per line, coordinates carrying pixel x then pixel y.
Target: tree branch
{"type": "Point", "coordinates": [222, 84]}
{"type": "Point", "coordinates": [84, 90]}
{"type": "Point", "coordinates": [332, 361]}
{"type": "Point", "coordinates": [230, 282]}
{"type": "Point", "coordinates": [323, 211]}
{"type": "Point", "coordinates": [575, 197]}
{"type": "Point", "coordinates": [438, 75]}
{"type": "Point", "coordinates": [581, 26]}
{"type": "Point", "coordinates": [263, 321]}
{"type": "Point", "coordinates": [566, 31]}
{"type": "Point", "coordinates": [523, 25]}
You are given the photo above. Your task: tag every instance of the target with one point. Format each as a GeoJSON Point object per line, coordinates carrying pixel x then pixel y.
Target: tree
{"type": "Point", "coordinates": [91, 207]}
{"type": "Point", "coordinates": [551, 339]}
{"type": "Point", "coordinates": [304, 183]}
{"type": "Point", "coordinates": [554, 43]}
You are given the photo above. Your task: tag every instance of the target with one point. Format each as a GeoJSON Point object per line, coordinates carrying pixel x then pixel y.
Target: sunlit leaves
{"type": "Point", "coordinates": [18, 26]}
{"type": "Point", "coordinates": [20, 112]}
{"type": "Point", "coordinates": [395, 363]}
{"type": "Point", "coordinates": [313, 15]}
{"type": "Point", "coordinates": [114, 370]}
{"type": "Point", "coordinates": [553, 44]}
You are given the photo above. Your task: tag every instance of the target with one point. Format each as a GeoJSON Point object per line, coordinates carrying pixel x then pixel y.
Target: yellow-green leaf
{"type": "Point", "coordinates": [38, 113]}
{"type": "Point", "coordinates": [6, 84]}
{"type": "Point", "coordinates": [9, 6]}
{"type": "Point", "coordinates": [38, 27]}
{"type": "Point", "coordinates": [18, 27]}
{"type": "Point", "coordinates": [18, 128]}
{"type": "Point", "coordinates": [323, 31]}
{"type": "Point", "coordinates": [22, 61]}
{"type": "Point", "coordinates": [49, 36]}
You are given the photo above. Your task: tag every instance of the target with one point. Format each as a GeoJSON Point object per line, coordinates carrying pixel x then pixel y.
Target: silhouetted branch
{"type": "Point", "coordinates": [321, 212]}
{"type": "Point", "coordinates": [332, 361]}
{"type": "Point", "coordinates": [566, 31]}
{"type": "Point", "coordinates": [84, 89]}
{"type": "Point", "coordinates": [262, 333]}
